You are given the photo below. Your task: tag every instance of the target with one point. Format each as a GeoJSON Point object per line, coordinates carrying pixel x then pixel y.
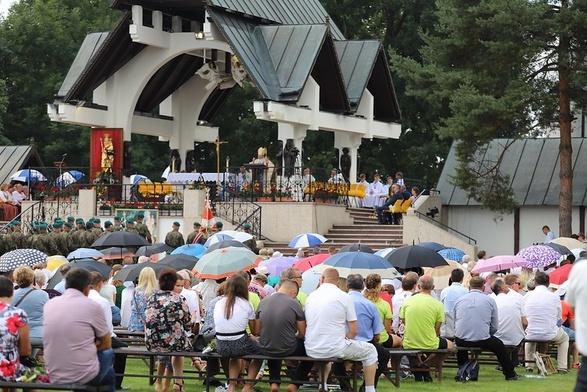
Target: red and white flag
{"type": "Point", "coordinates": [208, 220]}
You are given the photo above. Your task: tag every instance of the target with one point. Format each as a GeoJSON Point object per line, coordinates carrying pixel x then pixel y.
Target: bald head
{"type": "Point", "coordinates": [426, 283]}
{"type": "Point", "coordinates": [330, 275]}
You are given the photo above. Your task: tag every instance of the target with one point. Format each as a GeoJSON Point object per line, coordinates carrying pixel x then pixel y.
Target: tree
{"type": "Point", "coordinates": [503, 69]}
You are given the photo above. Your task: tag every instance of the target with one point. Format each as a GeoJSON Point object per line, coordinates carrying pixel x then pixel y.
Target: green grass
{"type": "Point", "coordinates": [490, 380]}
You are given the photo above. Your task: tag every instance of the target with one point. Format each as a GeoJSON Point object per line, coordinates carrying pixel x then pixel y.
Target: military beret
{"type": "Point", "coordinates": [96, 220]}
{"type": "Point", "coordinates": [118, 218]}
{"type": "Point", "coordinates": [79, 221]}
{"type": "Point", "coordinates": [218, 224]}
{"type": "Point", "coordinates": [42, 226]}
{"type": "Point", "coordinates": [58, 225]}
{"type": "Point", "coordinates": [68, 224]}
{"type": "Point", "coordinates": [140, 215]}
{"type": "Point", "coordinates": [130, 221]}
{"type": "Point", "coordinates": [197, 224]}
{"type": "Point", "coordinates": [16, 223]}
{"type": "Point", "coordinates": [58, 219]}
{"type": "Point", "coordinates": [70, 219]}
{"type": "Point", "coordinates": [91, 220]}
{"type": "Point", "coordinates": [107, 224]}
{"type": "Point", "coordinates": [246, 226]}
{"type": "Point", "coordinates": [176, 224]}
{"type": "Point", "coordinates": [89, 224]}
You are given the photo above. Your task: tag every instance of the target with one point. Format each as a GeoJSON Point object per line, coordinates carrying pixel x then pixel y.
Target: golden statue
{"type": "Point", "coordinates": [108, 153]}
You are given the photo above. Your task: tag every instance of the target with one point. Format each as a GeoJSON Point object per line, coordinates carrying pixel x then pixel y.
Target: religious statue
{"type": "Point", "coordinates": [290, 155]}
{"type": "Point", "coordinates": [345, 164]}
{"type": "Point", "coordinates": [335, 159]}
{"type": "Point", "coordinates": [190, 161]}
{"type": "Point", "coordinates": [107, 160]}
{"type": "Point", "coordinates": [175, 161]}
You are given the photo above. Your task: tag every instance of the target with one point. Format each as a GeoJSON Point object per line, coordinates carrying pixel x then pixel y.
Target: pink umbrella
{"type": "Point", "coordinates": [278, 264]}
{"type": "Point", "coordinates": [561, 274]}
{"type": "Point", "coordinates": [499, 263]}
{"type": "Point", "coordinates": [312, 261]}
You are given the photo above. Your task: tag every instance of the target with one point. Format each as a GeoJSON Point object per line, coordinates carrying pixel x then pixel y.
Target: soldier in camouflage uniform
{"type": "Point", "coordinates": [89, 236]}
{"type": "Point", "coordinates": [43, 241]}
{"type": "Point", "coordinates": [75, 239]}
{"type": "Point", "coordinates": [117, 225]}
{"type": "Point", "coordinates": [97, 229]}
{"type": "Point", "coordinates": [174, 238]}
{"type": "Point", "coordinates": [142, 229]}
{"type": "Point", "coordinates": [252, 243]}
{"type": "Point", "coordinates": [59, 238]}
{"type": "Point", "coordinates": [130, 226]}
{"type": "Point", "coordinates": [192, 236]}
{"type": "Point", "coordinates": [108, 228]}
{"type": "Point", "coordinates": [16, 239]}
{"type": "Point", "coordinates": [67, 227]}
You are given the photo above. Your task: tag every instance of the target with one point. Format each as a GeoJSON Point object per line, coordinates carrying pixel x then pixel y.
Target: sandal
{"type": "Point", "coordinates": [177, 386]}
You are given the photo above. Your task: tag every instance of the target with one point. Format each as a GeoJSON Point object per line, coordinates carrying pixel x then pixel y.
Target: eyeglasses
{"type": "Point", "coordinates": [298, 277]}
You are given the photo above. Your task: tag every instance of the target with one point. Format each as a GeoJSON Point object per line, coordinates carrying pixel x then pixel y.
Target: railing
{"type": "Point", "coordinates": [35, 212]}
{"type": "Point", "coordinates": [238, 212]}
{"type": "Point", "coordinates": [445, 227]}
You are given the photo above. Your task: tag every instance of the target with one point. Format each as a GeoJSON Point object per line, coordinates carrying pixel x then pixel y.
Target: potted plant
{"type": "Point", "coordinates": [324, 195]}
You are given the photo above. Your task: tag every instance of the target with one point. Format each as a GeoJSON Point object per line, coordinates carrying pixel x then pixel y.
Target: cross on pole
{"type": "Point", "coordinates": [217, 142]}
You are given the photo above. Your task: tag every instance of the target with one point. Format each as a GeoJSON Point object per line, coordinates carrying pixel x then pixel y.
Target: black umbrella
{"type": "Point", "coordinates": [89, 264]}
{"type": "Point", "coordinates": [149, 250]}
{"type": "Point", "coordinates": [179, 261]}
{"type": "Point", "coordinates": [356, 248]}
{"type": "Point", "coordinates": [132, 272]}
{"type": "Point", "coordinates": [225, 244]}
{"type": "Point", "coordinates": [563, 250]}
{"type": "Point", "coordinates": [435, 246]}
{"type": "Point", "coordinates": [120, 238]}
{"type": "Point", "coordinates": [14, 259]}
{"type": "Point", "coordinates": [415, 256]}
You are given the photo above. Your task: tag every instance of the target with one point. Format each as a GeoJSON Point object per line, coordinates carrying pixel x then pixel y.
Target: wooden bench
{"type": "Point", "coordinates": [53, 387]}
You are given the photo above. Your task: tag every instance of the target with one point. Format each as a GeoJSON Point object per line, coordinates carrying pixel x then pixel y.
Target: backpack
{"type": "Point", "coordinates": [469, 371]}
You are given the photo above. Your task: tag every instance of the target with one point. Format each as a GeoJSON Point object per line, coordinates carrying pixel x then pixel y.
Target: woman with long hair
{"type": "Point", "coordinates": [166, 318]}
{"type": "Point", "coordinates": [373, 293]}
{"type": "Point", "coordinates": [232, 314]}
{"type": "Point", "coordinates": [138, 303]}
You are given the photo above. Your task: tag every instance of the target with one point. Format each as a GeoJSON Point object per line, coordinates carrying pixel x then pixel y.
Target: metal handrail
{"type": "Point", "coordinates": [238, 211]}
{"type": "Point", "coordinates": [30, 208]}
{"type": "Point", "coordinates": [446, 227]}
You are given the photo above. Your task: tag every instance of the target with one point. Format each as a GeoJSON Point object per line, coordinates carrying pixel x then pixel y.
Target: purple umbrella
{"type": "Point", "coordinates": [278, 264]}
{"type": "Point", "coordinates": [539, 256]}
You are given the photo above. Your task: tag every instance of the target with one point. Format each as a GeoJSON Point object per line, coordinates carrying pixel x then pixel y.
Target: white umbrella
{"type": "Point", "coordinates": [238, 235]}
{"type": "Point", "coordinates": [310, 281]}
{"type": "Point", "coordinates": [306, 240]}
{"type": "Point", "coordinates": [28, 175]}
{"type": "Point", "coordinates": [138, 177]}
{"type": "Point", "coordinates": [166, 172]}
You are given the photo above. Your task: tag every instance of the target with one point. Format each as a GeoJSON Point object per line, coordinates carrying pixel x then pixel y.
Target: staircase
{"type": "Point", "coordinates": [365, 230]}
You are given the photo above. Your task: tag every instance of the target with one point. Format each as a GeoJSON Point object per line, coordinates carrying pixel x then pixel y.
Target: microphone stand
{"type": "Point", "coordinates": [61, 181]}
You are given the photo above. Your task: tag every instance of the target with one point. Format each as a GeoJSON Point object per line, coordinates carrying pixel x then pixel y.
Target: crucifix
{"type": "Point", "coordinates": [217, 142]}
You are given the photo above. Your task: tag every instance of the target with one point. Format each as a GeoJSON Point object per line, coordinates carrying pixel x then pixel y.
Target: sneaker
{"type": "Point", "coordinates": [427, 377]}
{"type": "Point", "coordinates": [514, 378]}
{"type": "Point", "coordinates": [498, 367]}
{"type": "Point", "coordinates": [529, 370]}
{"type": "Point", "coordinates": [576, 366]}
{"type": "Point", "coordinates": [562, 371]}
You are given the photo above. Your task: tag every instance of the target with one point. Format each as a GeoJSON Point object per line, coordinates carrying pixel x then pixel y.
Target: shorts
{"type": "Point", "coordinates": [166, 359]}
{"type": "Point", "coordinates": [572, 334]}
{"type": "Point", "coordinates": [359, 351]}
{"type": "Point", "coordinates": [237, 348]}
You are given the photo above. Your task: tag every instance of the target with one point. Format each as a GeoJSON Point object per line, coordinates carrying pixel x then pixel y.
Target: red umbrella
{"type": "Point", "coordinates": [561, 274]}
{"type": "Point", "coordinates": [312, 261]}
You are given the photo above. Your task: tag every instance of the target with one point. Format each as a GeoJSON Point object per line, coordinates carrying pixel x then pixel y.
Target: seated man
{"type": "Point", "coordinates": [422, 316]}
{"type": "Point", "coordinates": [512, 316]}
{"type": "Point", "coordinates": [395, 196]}
{"type": "Point", "coordinates": [332, 327]}
{"type": "Point", "coordinates": [476, 323]}
{"type": "Point", "coordinates": [76, 337]}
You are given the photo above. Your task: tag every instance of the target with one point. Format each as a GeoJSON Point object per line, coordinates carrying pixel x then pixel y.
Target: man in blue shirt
{"type": "Point", "coordinates": [370, 326]}
{"type": "Point", "coordinates": [449, 297]}
{"type": "Point", "coordinates": [476, 323]}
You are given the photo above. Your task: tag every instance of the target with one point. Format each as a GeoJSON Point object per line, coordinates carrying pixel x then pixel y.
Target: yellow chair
{"type": "Point", "coordinates": [406, 205]}
{"type": "Point", "coordinates": [396, 208]}
{"type": "Point", "coordinates": [357, 190]}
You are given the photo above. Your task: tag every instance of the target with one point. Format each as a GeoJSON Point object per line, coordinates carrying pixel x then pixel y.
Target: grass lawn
{"type": "Point", "coordinates": [490, 380]}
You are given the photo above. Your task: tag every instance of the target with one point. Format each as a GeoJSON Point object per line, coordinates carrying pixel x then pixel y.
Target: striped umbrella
{"type": "Point", "coordinates": [539, 256]}
{"type": "Point", "coordinates": [347, 263]}
{"type": "Point", "coordinates": [225, 262]}
{"type": "Point", "coordinates": [452, 254]}
{"type": "Point", "coordinates": [307, 240]}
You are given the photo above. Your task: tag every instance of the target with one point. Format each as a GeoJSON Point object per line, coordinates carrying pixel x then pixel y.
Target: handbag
{"type": "Point", "coordinates": [197, 342]}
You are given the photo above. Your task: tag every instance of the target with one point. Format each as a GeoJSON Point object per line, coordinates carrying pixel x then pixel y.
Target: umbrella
{"type": "Point", "coordinates": [84, 253]}
{"type": "Point", "coordinates": [452, 254]}
{"type": "Point", "coordinates": [89, 264]}
{"type": "Point", "coordinates": [138, 177]}
{"type": "Point", "coordinates": [384, 252]}
{"type": "Point", "coordinates": [347, 263]}
{"type": "Point", "coordinates": [149, 250]}
{"type": "Point", "coordinates": [166, 172]}
{"type": "Point", "coordinates": [569, 242]}
{"type": "Point", "coordinates": [577, 252]}
{"type": "Point", "coordinates": [310, 280]}
{"type": "Point", "coordinates": [561, 274]}
{"type": "Point", "coordinates": [277, 265]}
{"type": "Point", "coordinates": [28, 175]}
{"type": "Point", "coordinates": [120, 238]}
{"type": "Point", "coordinates": [132, 272]}
{"type": "Point", "coordinates": [237, 235]}
{"type": "Point", "coordinates": [225, 262]}
{"type": "Point", "coordinates": [563, 250]}
{"type": "Point", "coordinates": [307, 240]}
{"type": "Point", "coordinates": [435, 246]}
{"type": "Point", "coordinates": [116, 253]}
{"type": "Point", "coordinates": [225, 244]}
{"type": "Point", "coordinates": [14, 259]}
{"type": "Point", "coordinates": [195, 250]}
{"type": "Point", "coordinates": [415, 256]}
{"type": "Point", "coordinates": [356, 248]}
{"type": "Point", "coordinates": [312, 261]}
{"type": "Point", "coordinates": [179, 261]}
{"type": "Point", "coordinates": [54, 262]}
{"type": "Point", "coordinates": [441, 274]}
{"type": "Point", "coordinates": [498, 263]}
{"type": "Point", "coordinates": [539, 256]}
{"type": "Point", "coordinates": [68, 178]}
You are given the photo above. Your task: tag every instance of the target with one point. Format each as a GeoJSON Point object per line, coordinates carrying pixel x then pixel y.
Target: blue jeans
{"type": "Point", "coordinates": [106, 374]}
{"type": "Point", "coordinates": [569, 332]}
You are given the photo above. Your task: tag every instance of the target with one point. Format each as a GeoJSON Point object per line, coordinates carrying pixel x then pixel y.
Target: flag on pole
{"type": "Point", "coordinates": [208, 219]}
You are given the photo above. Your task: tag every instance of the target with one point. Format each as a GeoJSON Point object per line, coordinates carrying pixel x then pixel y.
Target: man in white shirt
{"type": "Point", "coordinates": [544, 314]}
{"type": "Point", "coordinates": [329, 313]}
{"type": "Point", "coordinates": [549, 235]}
{"type": "Point", "coordinates": [191, 297]}
{"type": "Point", "coordinates": [125, 304]}
{"type": "Point", "coordinates": [207, 291]}
{"type": "Point", "coordinates": [577, 295]}
{"type": "Point", "coordinates": [409, 283]}
{"type": "Point", "coordinates": [512, 317]}
{"type": "Point", "coordinates": [449, 296]}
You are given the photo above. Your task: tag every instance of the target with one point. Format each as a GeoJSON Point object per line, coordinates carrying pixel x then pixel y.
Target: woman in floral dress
{"type": "Point", "coordinates": [138, 303]}
{"type": "Point", "coordinates": [167, 320]}
{"type": "Point", "coordinates": [14, 334]}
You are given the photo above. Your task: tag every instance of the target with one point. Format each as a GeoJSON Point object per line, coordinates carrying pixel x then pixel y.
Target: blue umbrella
{"type": "Point", "coordinates": [306, 240]}
{"type": "Point", "coordinates": [195, 250]}
{"type": "Point", "coordinates": [435, 246]}
{"type": "Point", "coordinates": [84, 253]}
{"type": "Point", "coordinates": [452, 254]}
{"type": "Point", "coordinates": [384, 252]}
{"type": "Point", "coordinates": [68, 178]}
{"type": "Point", "coordinates": [363, 263]}
{"type": "Point", "coordinates": [28, 175]}
{"type": "Point", "coordinates": [138, 177]}
{"type": "Point", "coordinates": [217, 238]}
